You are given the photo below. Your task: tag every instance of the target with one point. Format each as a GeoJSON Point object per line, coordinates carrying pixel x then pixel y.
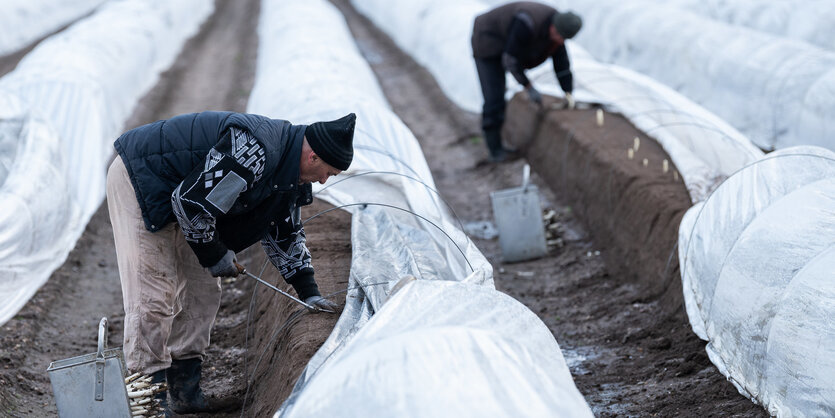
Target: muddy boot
{"type": "Point", "coordinates": [186, 395]}
{"type": "Point", "coordinates": [162, 397]}
{"type": "Point", "coordinates": [498, 152]}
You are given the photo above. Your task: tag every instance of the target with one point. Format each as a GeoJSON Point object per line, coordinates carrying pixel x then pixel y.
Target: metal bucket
{"type": "Point", "coordinates": [519, 219]}
{"type": "Point", "coordinates": [91, 385]}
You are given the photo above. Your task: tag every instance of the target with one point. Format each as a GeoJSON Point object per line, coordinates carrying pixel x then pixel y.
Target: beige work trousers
{"type": "Point", "coordinates": [170, 300]}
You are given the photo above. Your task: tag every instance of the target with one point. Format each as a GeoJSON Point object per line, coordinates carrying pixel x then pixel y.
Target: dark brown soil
{"type": "Point", "coordinates": [632, 211]}
{"type": "Point", "coordinates": [262, 342]}
{"type": "Point", "coordinates": [286, 336]}
{"type": "Point", "coordinates": [61, 321]}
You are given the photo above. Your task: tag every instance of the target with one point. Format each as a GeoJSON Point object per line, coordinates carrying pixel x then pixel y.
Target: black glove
{"type": "Point", "coordinates": [321, 303]}
{"type": "Point", "coordinates": [534, 95]}
{"type": "Point", "coordinates": [226, 266]}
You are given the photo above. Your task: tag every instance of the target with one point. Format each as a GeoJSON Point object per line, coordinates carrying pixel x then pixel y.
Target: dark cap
{"type": "Point", "coordinates": [567, 24]}
{"type": "Point", "coordinates": [333, 141]}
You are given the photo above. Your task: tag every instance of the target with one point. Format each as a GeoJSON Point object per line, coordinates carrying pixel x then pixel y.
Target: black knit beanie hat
{"type": "Point", "coordinates": [567, 24]}
{"type": "Point", "coordinates": [333, 141]}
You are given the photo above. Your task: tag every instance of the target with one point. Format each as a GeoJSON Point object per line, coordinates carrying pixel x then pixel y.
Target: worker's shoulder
{"type": "Point", "coordinates": [522, 6]}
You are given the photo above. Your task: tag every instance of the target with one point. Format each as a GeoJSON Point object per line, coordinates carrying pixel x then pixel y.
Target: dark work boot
{"type": "Point", "coordinates": [186, 395]}
{"type": "Point", "coordinates": [162, 397]}
{"type": "Point", "coordinates": [493, 139]}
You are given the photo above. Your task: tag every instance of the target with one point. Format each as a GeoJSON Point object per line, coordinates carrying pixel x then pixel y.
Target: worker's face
{"type": "Point", "coordinates": [314, 169]}
{"type": "Point", "coordinates": [555, 36]}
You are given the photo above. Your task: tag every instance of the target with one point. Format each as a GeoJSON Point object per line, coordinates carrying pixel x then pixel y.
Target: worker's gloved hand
{"type": "Point", "coordinates": [569, 101]}
{"type": "Point", "coordinates": [534, 95]}
{"type": "Point", "coordinates": [321, 303]}
{"type": "Point", "coordinates": [226, 267]}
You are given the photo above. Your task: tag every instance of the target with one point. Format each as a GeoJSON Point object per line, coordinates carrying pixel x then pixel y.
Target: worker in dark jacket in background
{"type": "Point", "coordinates": [515, 37]}
{"type": "Point", "coordinates": [187, 193]}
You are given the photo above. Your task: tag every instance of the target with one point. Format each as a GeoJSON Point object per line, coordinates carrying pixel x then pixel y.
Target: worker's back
{"type": "Point", "coordinates": [490, 29]}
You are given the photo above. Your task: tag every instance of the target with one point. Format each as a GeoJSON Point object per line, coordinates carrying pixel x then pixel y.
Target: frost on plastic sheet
{"type": "Point", "coordinates": [759, 282]}
{"type": "Point", "coordinates": [777, 91]}
{"type": "Point", "coordinates": [73, 93]}
{"type": "Point", "coordinates": [482, 331]}
{"type": "Point", "coordinates": [703, 148]}
{"type": "Point", "coordinates": [25, 21]}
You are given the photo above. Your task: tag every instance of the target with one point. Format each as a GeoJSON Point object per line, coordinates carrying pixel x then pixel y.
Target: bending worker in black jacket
{"type": "Point", "coordinates": [515, 37]}
{"type": "Point", "coordinates": [184, 195]}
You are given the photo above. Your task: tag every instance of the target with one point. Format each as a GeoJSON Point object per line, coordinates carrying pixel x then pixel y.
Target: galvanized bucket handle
{"type": "Point", "coordinates": [102, 338]}
{"type": "Point", "coordinates": [100, 359]}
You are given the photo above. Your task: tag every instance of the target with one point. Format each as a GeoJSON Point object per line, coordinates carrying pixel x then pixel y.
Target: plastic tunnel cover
{"type": "Point", "coordinates": [806, 20]}
{"type": "Point", "coordinates": [389, 244]}
{"type": "Point", "coordinates": [478, 336]}
{"type": "Point", "coordinates": [777, 91]}
{"type": "Point", "coordinates": [753, 282]}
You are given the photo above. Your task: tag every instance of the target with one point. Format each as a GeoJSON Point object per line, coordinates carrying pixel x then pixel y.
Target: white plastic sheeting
{"type": "Point", "coordinates": [458, 328]}
{"type": "Point", "coordinates": [25, 21]}
{"type": "Point", "coordinates": [72, 94]}
{"type": "Point", "coordinates": [812, 21]}
{"type": "Point", "coordinates": [39, 221]}
{"type": "Point", "coordinates": [777, 91]}
{"type": "Point", "coordinates": [704, 148]}
{"type": "Point", "coordinates": [759, 282]}
{"type": "Point", "coordinates": [309, 69]}
{"type": "Point", "coordinates": [760, 290]}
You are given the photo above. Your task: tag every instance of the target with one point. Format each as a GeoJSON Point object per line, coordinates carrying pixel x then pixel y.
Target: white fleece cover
{"type": "Point", "coordinates": [759, 283]}
{"type": "Point", "coordinates": [777, 91]}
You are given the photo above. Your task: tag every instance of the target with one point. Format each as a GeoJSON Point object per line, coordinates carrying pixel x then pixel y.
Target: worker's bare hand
{"type": "Point", "coordinates": [226, 267]}
{"type": "Point", "coordinates": [321, 303]}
